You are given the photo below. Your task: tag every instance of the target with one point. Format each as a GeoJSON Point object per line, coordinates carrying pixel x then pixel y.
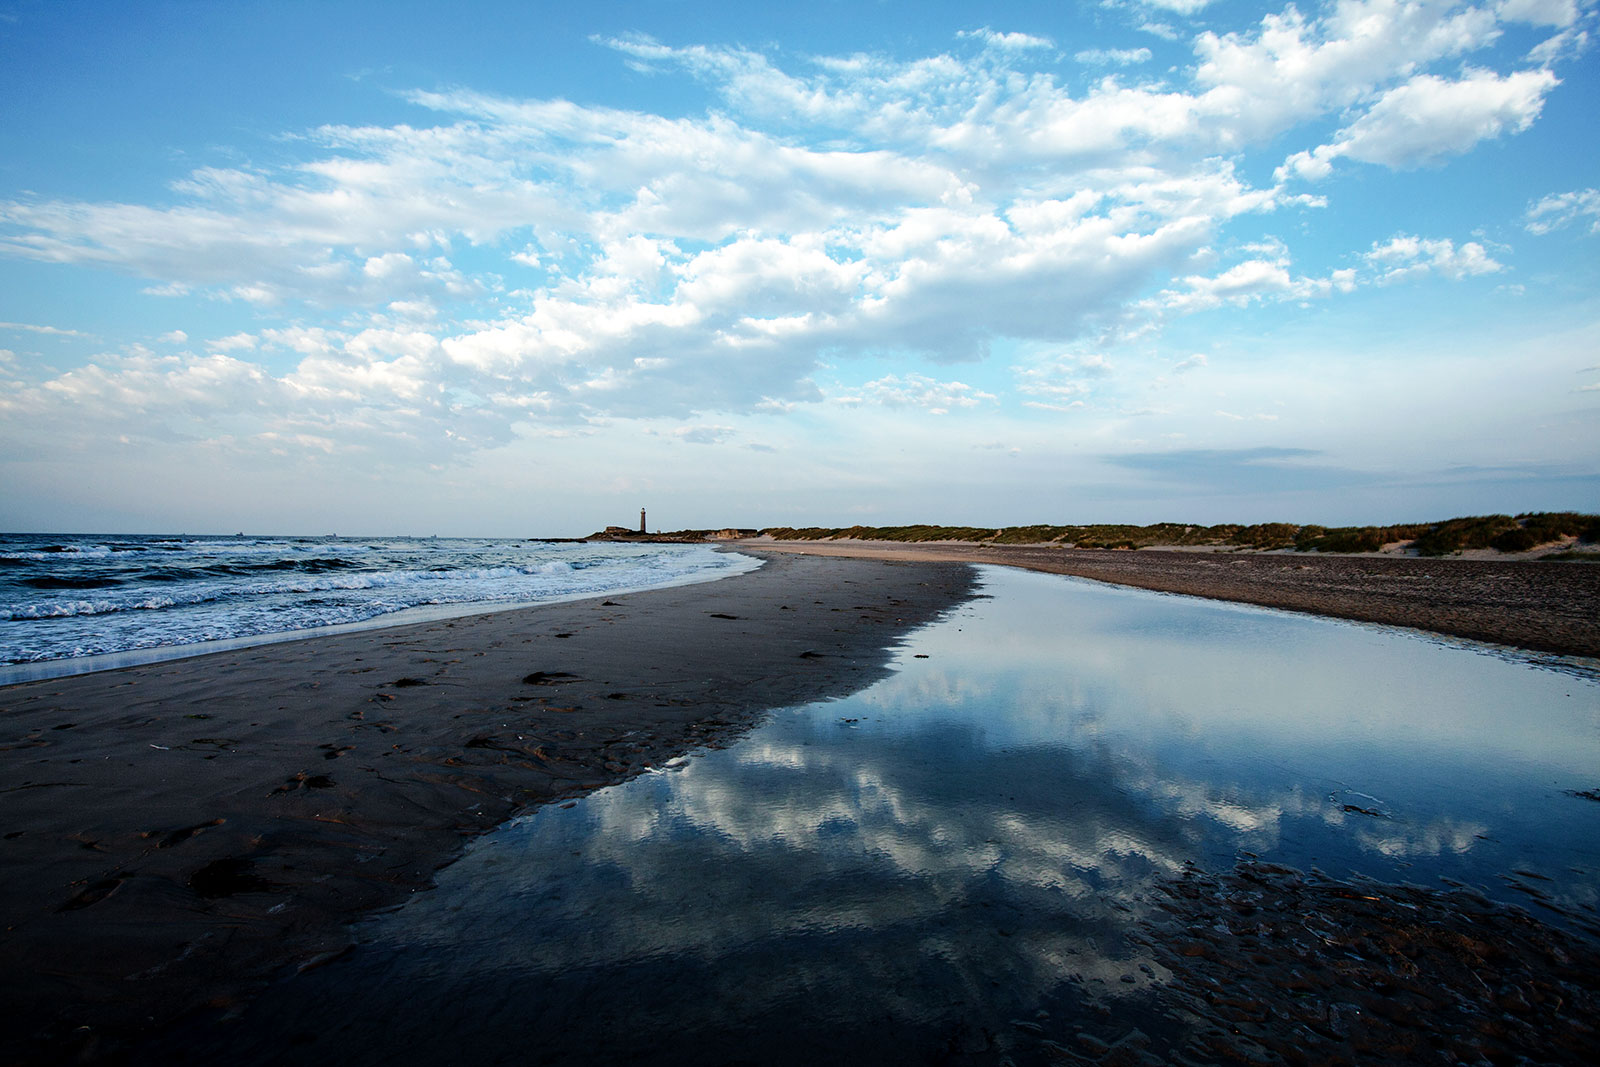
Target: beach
{"type": "Point", "coordinates": [1526, 604]}
{"type": "Point", "coordinates": [179, 834]}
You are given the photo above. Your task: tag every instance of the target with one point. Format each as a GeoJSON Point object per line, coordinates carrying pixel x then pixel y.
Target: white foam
{"type": "Point", "coordinates": [141, 616]}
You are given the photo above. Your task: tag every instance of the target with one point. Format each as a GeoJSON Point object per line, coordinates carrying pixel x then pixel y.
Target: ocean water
{"type": "Point", "coordinates": [67, 600]}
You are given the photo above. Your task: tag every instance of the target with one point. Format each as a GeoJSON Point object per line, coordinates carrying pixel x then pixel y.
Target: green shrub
{"type": "Point", "coordinates": [1266, 535]}
{"type": "Point", "coordinates": [1030, 535]}
{"type": "Point", "coordinates": [1457, 535]}
{"type": "Point", "coordinates": [1353, 538]}
{"type": "Point", "coordinates": [1548, 526]}
{"type": "Point", "coordinates": [1501, 532]}
{"type": "Point", "coordinates": [1516, 539]}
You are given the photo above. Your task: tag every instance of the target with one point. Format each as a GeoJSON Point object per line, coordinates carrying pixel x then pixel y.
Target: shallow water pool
{"type": "Point", "coordinates": [948, 866]}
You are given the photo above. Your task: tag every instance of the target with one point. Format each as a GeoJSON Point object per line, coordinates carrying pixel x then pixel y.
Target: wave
{"type": "Point", "coordinates": [245, 570]}
{"type": "Point", "coordinates": [86, 602]}
{"type": "Point", "coordinates": [70, 583]}
{"type": "Point", "coordinates": [461, 585]}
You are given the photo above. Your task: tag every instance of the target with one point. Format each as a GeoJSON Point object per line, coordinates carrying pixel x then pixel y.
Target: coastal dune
{"type": "Point", "coordinates": [176, 834]}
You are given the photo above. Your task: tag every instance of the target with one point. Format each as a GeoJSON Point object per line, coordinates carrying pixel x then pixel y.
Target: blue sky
{"type": "Point", "coordinates": [525, 268]}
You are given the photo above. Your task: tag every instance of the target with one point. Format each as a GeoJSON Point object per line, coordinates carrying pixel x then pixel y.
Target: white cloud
{"type": "Point", "coordinates": [1008, 41]}
{"type": "Point", "coordinates": [920, 391]}
{"type": "Point", "coordinates": [235, 343]}
{"type": "Point", "coordinates": [1178, 7]}
{"type": "Point", "coordinates": [142, 394]}
{"type": "Point", "coordinates": [1428, 118]}
{"type": "Point", "coordinates": [1568, 44]}
{"type": "Point", "coordinates": [1406, 256]}
{"type": "Point", "coordinates": [1294, 68]}
{"type": "Point", "coordinates": [684, 267]}
{"type": "Point", "coordinates": [1558, 13]}
{"type": "Point", "coordinates": [1239, 285]}
{"type": "Point", "coordinates": [1063, 382]}
{"type": "Point", "coordinates": [54, 331]}
{"type": "Point", "coordinates": [1563, 209]}
{"type": "Point", "coordinates": [1121, 57]}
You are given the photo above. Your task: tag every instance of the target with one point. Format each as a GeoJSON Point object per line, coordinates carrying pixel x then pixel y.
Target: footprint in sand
{"type": "Point", "coordinates": [304, 781]}
{"type": "Point", "coordinates": [92, 894]}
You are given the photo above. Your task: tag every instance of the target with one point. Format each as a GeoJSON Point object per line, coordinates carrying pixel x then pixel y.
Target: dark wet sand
{"type": "Point", "coordinates": [174, 835]}
{"type": "Point", "coordinates": [1268, 964]}
{"type": "Point", "coordinates": [1529, 604]}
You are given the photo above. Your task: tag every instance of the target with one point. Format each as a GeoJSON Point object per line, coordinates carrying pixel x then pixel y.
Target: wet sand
{"type": "Point", "coordinates": [177, 834]}
{"type": "Point", "coordinates": [1268, 964]}
{"type": "Point", "coordinates": [1539, 606]}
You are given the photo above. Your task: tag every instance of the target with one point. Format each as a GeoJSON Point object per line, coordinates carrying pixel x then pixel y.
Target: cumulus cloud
{"type": "Point", "coordinates": [1240, 284]}
{"type": "Point", "coordinates": [1405, 256]}
{"type": "Point", "coordinates": [919, 391]}
{"type": "Point", "coordinates": [1008, 40]}
{"type": "Point", "coordinates": [1120, 57]}
{"type": "Point", "coordinates": [1294, 67]}
{"type": "Point", "coordinates": [1570, 43]}
{"type": "Point", "coordinates": [1429, 119]}
{"type": "Point", "coordinates": [1558, 13]}
{"type": "Point", "coordinates": [709, 263]}
{"type": "Point", "coordinates": [1178, 7]}
{"type": "Point", "coordinates": [233, 343]}
{"type": "Point", "coordinates": [1559, 210]}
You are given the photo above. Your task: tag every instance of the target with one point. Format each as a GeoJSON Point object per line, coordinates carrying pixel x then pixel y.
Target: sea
{"type": "Point", "coordinates": [71, 603]}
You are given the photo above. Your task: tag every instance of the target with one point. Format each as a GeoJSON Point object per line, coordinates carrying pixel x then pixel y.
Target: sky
{"type": "Point", "coordinates": [521, 269]}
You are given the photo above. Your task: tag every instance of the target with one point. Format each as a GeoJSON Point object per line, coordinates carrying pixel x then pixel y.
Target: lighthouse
{"type": "Point", "coordinates": [641, 521]}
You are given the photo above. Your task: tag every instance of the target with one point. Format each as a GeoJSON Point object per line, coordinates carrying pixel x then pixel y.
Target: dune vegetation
{"type": "Point", "coordinates": [1502, 533]}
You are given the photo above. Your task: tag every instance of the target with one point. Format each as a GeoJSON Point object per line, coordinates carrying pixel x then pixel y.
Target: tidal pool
{"type": "Point", "coordinates": [948, 866]}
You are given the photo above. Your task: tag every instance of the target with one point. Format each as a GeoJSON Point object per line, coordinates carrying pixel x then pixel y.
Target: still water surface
{"type": "Point", "coordinates": [946, 866]}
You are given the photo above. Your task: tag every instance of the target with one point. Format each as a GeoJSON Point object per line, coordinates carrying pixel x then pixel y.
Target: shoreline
{"type": "Point", "coordinates": [46, 669]}
{"type": "Point", "coordinates": [1551, 608]}
{"type": "Point", "coordinates": [179, 833]}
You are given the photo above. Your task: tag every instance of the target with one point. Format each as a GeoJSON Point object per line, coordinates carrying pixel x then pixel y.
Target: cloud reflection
{"type": "Point", "coordinates": [973, 839]}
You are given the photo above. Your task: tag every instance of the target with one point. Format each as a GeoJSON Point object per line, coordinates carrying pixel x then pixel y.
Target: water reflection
{"type": "Point", "coordinates": [948, 865]}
